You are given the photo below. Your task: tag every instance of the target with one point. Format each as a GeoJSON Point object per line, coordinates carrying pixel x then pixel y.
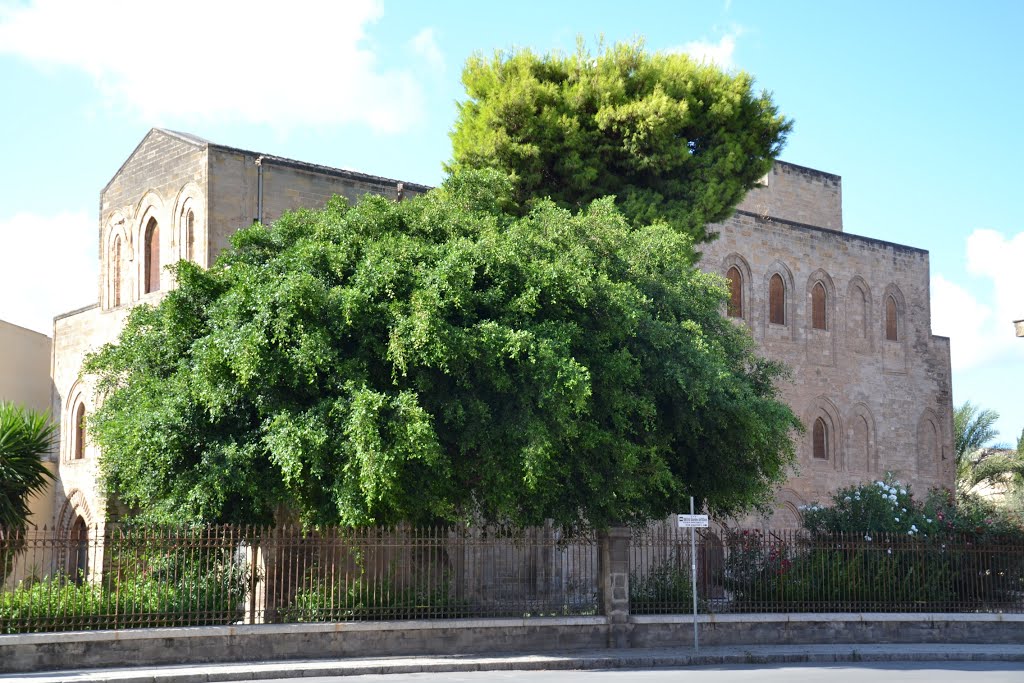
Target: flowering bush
{"type": "Point", "coordinates": [884, 506]}
{"type": "Point", "coordinates": [888, 507]}
{"type": "Point", "coordinates": [875, 547]}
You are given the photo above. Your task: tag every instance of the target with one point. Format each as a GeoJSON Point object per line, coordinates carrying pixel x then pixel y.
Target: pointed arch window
{"type": "Point", "coordinates": [115, 265]}
{"type": "Point", "coordinates": [776, 300]}
{"type": "Point", "coordinates": [858, 313]}
{"type": "Point", "coordinates": [820, 438]}
{"type": "Point", "coordinates": [190, 235]}
{"type": "Point", "coordinates": [79, 432]}
{"type": "Point", "coordinates": [152, 256]}
{"type": "Point", "coordinates": [78, 557]}
{"type": "Point", "coordinates": [735, 307]}
{"type": "Point", "coordinates": [891, 319]}
{"type": "Point", "coordinates": [818, 320]}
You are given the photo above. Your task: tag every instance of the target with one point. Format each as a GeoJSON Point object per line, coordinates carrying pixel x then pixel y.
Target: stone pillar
{"type": "Point", "coordinates": [613, 582]}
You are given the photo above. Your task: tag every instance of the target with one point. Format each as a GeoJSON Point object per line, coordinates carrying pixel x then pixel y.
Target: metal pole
{"type": "Point", "coordinates": [693, 575]}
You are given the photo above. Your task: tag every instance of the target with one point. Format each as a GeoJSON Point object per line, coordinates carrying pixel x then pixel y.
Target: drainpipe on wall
{"type": "Point", "coordinates": [259, 189]}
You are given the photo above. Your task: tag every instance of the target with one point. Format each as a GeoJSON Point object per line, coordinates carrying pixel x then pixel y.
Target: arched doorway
{"type": "Point", "coordinates": [78, 550]}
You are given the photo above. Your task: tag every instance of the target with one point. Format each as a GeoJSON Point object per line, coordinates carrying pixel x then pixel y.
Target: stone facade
{"type": "Point", "coordinates": [869, 368]}
{"type": "Point", "coordinates": [885, 405]}
{"type": "Point", "coordinates": [192, 195]}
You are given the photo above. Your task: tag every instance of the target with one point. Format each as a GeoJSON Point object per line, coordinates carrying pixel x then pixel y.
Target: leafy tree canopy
{"type": "Point", "coordinates": [25, 437]}
{"type": "Point", "coordinates": [438, 359]}
{"type": "Point", "coordinates": [670, 138]}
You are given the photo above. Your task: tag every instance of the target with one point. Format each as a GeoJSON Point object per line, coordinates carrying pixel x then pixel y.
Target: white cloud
{"type": "Point", "coordinates": [980, 325]}
{"type": "Point", "coordinates": [424, 45]}
{"type": "Point", "coordinates": [719, 54]}
{"type": "Point", "coordinates": [297, 63]}
{"type": "Point", "coordinates": [48, 266]}
{"type": "Point", "coordinates": [993, 256]}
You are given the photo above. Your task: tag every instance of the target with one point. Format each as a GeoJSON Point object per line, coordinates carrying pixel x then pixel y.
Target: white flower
{"type": "Point", "coordinates": [867, 538]}
{"type": "Point", "coordinates": [903, 509]}
{"type": "Point", "coordinates": [846, 500]}
{"type": "Point", "coordinates": [903, 492]}
{"type": "Point", "coordinates": [896, 518]}
{"type": "Point", "coordinates": [889, 551]}
{"type": "Point", "coordinates": [928, 520]}
{"type": "Point", "coordinates": [913, 527]}
{"type": "Point", "coordinates": [892, 498]}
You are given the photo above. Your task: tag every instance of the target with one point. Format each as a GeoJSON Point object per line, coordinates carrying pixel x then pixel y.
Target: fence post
{"type": "Point", "coordinates": [613, 582]}
{"type": "Point", "coordinates": [253, 555]}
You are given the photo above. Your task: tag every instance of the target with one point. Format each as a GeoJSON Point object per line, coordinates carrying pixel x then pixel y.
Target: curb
{"type": "Point", "coordinates": [570, 661]}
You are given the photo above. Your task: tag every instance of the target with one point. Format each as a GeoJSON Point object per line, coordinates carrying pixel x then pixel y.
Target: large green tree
{"type": "Point", "coordinates": [25, 437]}
{"type": "Point", "coordinates": [672, 139]}
{"type": "Point", "coordinates": [437, 359]}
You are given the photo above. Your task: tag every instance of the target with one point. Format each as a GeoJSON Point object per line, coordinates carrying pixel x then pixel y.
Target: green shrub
{"type": "Point", "coordinates": [876, 548]}
{"type": "Point", "coordinates": [361, 599]}
{"type": "Point", "coordinates": [143, 586]}
{"type": "Point", "coordinates": [664, 589]}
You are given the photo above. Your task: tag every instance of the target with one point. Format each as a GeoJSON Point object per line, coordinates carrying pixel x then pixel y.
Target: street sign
{"type": "Point", "coordinates": [693, 521]}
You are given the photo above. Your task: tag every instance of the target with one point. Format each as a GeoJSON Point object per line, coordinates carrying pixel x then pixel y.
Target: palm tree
{"type": "Point", "coordinates": [25, 437]}
{"type": "Point", "coordinates": [977, 462]}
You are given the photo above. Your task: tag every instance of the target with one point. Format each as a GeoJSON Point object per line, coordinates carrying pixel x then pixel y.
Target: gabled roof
{"type": "Point", "coordinates": [199, 142]}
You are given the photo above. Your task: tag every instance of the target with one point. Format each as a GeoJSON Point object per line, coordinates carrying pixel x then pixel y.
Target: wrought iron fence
{"type": "Point", "coordinates": [776, 571]}
{"type": "Point", "coordinates": [125, 577]}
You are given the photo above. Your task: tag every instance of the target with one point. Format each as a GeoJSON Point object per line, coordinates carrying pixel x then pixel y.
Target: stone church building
{"type": "Point", "coordinates": [850, 315]}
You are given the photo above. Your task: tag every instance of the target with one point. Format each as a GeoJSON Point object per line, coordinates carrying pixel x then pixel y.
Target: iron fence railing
{"type": "Point", "coordinates": [128, 577]}
{"type": "Point", "coordinates": [125, 577]}
{"type": "Point", "coordinates": [791, 571]}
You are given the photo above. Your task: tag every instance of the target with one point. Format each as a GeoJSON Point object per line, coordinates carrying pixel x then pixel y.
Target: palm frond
{"type": "Point", "coordinates": [26, 436]}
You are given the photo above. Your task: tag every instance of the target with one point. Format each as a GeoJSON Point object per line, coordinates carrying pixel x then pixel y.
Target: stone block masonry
{"type": "Point", "coordinates": [869, 380]}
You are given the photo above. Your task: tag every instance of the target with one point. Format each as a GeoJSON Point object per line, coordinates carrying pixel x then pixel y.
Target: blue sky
{"type": "Point", "coordinates": [917, 105]}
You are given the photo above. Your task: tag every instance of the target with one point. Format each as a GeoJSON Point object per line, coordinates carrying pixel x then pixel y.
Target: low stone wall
{"type": "Point", "coordinates": [221, 644]}
{"type": "Point", "coordinates": [824, 629]}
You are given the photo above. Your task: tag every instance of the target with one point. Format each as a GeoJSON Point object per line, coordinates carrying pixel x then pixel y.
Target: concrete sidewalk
{"type": "Point", "coordinates": [594, 659]}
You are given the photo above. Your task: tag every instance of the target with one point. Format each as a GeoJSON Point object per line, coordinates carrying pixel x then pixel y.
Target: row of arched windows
{"type": "Point", "coordinates": [819, 304]}
{"type": "Point", "coordinates": [847, 442]}
{"type": "Point", "coordinates": [148, 272]}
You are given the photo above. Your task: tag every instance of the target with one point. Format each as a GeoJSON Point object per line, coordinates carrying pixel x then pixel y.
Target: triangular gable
{"type": "Point", "coordinates": [197, 142]}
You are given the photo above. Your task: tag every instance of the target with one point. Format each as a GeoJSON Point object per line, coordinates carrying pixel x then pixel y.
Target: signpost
{"type": "Point", "coordinates": [691, 522]}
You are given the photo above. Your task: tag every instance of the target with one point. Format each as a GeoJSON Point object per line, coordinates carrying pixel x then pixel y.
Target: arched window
{"type": "Point", "coordinates": [152, 256]}
{"type": "Point", "coordinates": [858, 313]}
{"type": "Point", "coordinates": [820, 437]}
{"type": "Point", "coordinates": [735, 308]}
{"type": "Point", "coordinates": [776, 300]}
{"type": "Point", "coordinates": [78, 551]}
{"type": "Point", "coordinates": [818, 307]}
{"type": "Point", "coordinates": [860, 446]}
{"type": "Point", "coordinates": [80, 432]}
{"type": "Point", "coordinates": [190, 236]}
{"type": "Point", "coordinates": [115, 265]}
{"type": "Point", "coordinates": [891, 320]}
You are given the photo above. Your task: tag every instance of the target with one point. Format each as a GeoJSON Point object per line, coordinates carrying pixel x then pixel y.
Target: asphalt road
{"type": "Point", "coordinates": [901, 672]}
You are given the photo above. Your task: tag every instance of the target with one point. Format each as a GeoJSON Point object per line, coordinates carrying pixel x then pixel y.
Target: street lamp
{"type": "Point", "coordinates": [1019, 324]}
